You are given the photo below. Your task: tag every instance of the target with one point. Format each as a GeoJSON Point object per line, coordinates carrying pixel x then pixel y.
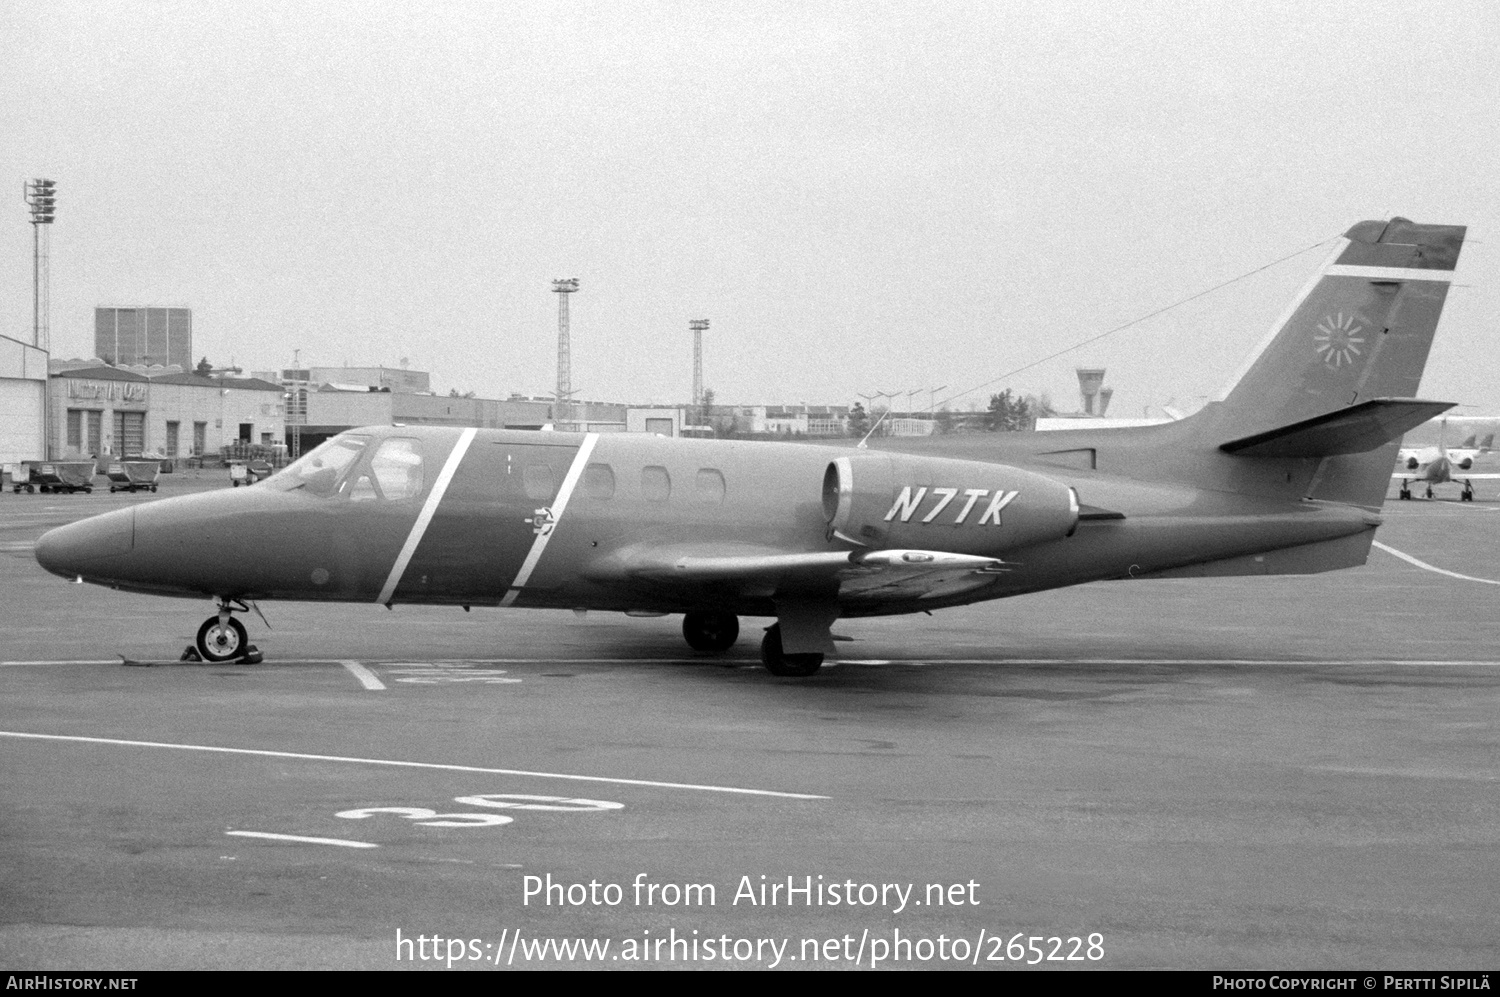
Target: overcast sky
{"type": "Point", "coordinates": [860, 197]}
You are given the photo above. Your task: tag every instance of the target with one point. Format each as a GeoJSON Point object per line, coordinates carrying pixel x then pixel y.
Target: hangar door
{"type": "Point", "coordinates": [130, 433]}
{"type": "Point", "coordinates": [21, 403]}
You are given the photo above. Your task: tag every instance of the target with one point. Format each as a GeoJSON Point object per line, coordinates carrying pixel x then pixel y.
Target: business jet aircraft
{"type": "Point", "coordinates": [1284, 475]}
{"type": "Point", "coordinates": [1438, 465]}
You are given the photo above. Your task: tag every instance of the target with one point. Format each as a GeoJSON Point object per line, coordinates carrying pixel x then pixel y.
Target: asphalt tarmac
{"type": "Point", "coordinates": [1271, 773]}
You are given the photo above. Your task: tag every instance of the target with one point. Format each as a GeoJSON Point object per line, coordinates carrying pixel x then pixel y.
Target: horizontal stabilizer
{"type": "Point", "coordinates": [1356, 429]}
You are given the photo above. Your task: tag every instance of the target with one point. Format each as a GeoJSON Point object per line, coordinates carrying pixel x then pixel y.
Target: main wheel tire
{"type": "Point", "coordinates": [782, 664]}
{"type": "Point", "coordinates": [216, 643]}
{"type": "Point", "coordinates": [710, 631]}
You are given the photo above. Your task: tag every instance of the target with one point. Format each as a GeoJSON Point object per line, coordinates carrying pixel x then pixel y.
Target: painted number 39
{"type": "Point", "coordinates": [500, 801]}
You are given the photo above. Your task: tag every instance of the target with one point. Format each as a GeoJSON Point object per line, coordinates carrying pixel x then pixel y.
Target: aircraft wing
{"type": "Point", "coordinates": [754, 570]}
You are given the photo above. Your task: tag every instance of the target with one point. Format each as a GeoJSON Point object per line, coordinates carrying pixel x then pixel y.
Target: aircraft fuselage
{"type": "Point", "coordinates": [564, 521]}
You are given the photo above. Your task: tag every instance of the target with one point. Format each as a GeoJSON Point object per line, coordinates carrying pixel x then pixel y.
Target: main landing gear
{"type": "Point", "coordinates": [711, 631]}
{"type": "Point", "coordinates": [714, 631]}
{"type": "Point", "coordinates": [223, 638]}
{"type": "Point", "coordinates": [779, 663]}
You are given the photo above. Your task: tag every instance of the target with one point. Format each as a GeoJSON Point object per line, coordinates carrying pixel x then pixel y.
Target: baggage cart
{"type": "Point", "coordinates": [62, 476]}
{"type": "Point", "coordinates": [132, 475]}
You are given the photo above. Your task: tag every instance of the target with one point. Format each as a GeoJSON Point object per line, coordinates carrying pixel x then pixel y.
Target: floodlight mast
{"type": "Point", "coordinates": [563, 415]}
{"type": "Point", "coordinates": [698, 326]}
{"type": "Point", "coordinates": [41, 197]}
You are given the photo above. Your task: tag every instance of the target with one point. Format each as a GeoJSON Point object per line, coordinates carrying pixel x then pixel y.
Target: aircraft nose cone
{"type": "Point", "coordinates": [73, 549]}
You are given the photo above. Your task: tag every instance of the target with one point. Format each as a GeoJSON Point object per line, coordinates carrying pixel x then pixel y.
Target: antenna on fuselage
{"type": "Point", "coordinates": [862, 444]}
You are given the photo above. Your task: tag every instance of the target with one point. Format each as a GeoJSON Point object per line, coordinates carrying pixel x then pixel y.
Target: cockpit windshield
{"type": "Point", "coordinates": [322, 470]}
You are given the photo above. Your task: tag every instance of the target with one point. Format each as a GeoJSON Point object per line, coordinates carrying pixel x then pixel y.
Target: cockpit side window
{"type": "Point", "coordinates": [397, 467]}
{"type": "Point", "coordinates": [321, 471]}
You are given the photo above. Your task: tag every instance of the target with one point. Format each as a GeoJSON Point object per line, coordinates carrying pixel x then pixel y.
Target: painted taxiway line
{"type": "Point", "coordinates": [753, 663]}
{"type": "Point", "coordinates": [366, 677]}
{"type": "Point", "coordinates": [304, 840]}
{"type": "Point", "coordinates": [1190, 662]}
{"type": "Point", "coordinates": [1424, 565]}
{"type": "Point", "coordinates": [395, 763]}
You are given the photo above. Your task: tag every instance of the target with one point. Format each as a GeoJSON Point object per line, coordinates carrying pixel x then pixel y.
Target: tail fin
{"type": "Point", "coordinates": [1336, 378]}
{"type": "Point", "coordinates": [1360, 330]}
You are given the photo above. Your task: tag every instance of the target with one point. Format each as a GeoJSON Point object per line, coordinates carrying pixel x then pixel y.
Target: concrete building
{"type": "Point", "coordinates": [107, 411]}
{"type": "Point", "coordinates": [144, 336]}
{"type": "Point", "coordinates": [660, 421]}
{"type": "Point", "coordinates": [324, 401]}
{"type": "Point", "coordinates": [790, 420]}
{"type": "Point", "coordinates": [394, 378]}
{"type": "Point", "coordinates": [23, 402]}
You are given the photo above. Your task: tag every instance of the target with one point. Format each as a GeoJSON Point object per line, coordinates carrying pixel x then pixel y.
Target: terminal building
{"type": "Point", "coordinates": [324, 401]}
{"type": "Point", "coordinates": [104, 411]}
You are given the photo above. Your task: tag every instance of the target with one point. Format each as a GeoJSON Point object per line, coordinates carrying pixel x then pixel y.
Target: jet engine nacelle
{"type": "Point", "coordinates": [1464, 463]}
{"type": "Point", "coordinates": [961, 506]}
{"type": "Point", "coordinates": [1412, 463]}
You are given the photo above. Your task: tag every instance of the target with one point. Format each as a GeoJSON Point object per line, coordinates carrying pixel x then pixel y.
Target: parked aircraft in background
{"type": "Point", "coordinates": [1284, 475]}
{"type": "Point", "coordinates": [1438, 466]}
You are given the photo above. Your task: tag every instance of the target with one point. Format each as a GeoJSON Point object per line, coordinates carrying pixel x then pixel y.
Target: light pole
{"type": "Point", "coordinates": [698, 326]}
{"type": "Point", "coordinates": [563, 416]}
{"type": "Point", "coordinates": [41, 196]}
{"type": "Point", "coordinates": [932, 398]}
{"type": "Point", "coordinates": [298, 409]}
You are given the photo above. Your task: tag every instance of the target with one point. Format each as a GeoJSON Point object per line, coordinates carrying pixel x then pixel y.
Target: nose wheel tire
{"type": "Point", "coordinates": [224, 642]}
{"type": "Point", "coordinates": [710, 631]}
{"type": "Point", "coordinates": [785, 665]}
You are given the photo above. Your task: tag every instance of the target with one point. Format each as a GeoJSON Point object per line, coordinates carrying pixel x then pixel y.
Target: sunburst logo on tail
{"type": "Point", "coordinates": [1338, 339]}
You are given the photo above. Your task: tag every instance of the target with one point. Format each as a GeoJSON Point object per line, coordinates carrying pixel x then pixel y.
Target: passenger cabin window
{"type": "Point", "coordinates": [656, 484]}
{"type": "Point", "coordinates": [599, 481]}
{"type": "Point", "coordinates": [710, 486]}
{"type": "Point", "coordinates": [536, 479]}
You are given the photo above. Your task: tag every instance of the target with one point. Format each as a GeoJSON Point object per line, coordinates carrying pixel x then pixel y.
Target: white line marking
{"type": "Point", "coordinates": [297, 837]}
{"type": "Point", "coordinates": [9, 664]}
{"type": "Point", "coordinates": [1191, 662]}
{"type": "Point", "coordinates": [743, 662]}
{"type": "Point", "coordinates": [1390, 273]}
{"type": "Point", "coordinates": [558, 505]}
{"type": "Point", "coordinates": [1407, 773]}
{"type": "Point", "coordinates": [262, 753]}
{"type": "Point", "coordinates": [1423, 564]}
{"type": "Point", "coordinates": [429, 508]}
{"type": "Point", "coordinates": [366, 677]}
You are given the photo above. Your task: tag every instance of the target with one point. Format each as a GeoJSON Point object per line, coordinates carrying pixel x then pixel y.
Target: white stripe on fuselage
{"type": "Point", "coordinates": [558, 505]}
{"type": "Point", "coordinates": [1390, 273]}
{"type": "Point", "coordinates": [429, 508]}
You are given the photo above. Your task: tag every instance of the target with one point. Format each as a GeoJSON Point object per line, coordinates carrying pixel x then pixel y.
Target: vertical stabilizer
{"type": "Point", "coordinates": [1361, 329]}
{"type": "Point", "coordinates": [1359, 332]}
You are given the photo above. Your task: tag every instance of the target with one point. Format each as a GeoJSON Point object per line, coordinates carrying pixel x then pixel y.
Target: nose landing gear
{"type": "Point", "coordinates": [223, 638]}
